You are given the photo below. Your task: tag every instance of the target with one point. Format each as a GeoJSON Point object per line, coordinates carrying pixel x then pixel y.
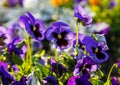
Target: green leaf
{"type": "Point", "coordinates": [21, 44]}
{"type": "Point", "coordinates": [97, 82]}
{"type": "Point", "coordinates": [67, 56]}
{"type": "Point", "coordinates": [17, 60]}
{"type": "Point", "coordinates": [44, 71]}
{"type": "Point", "coordinates": [99, 73]}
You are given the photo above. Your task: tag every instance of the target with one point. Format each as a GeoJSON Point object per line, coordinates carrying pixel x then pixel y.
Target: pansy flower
{"type": "Point", "coordinates": [5, 76]}
{"type": "Point", "coordinates": [81, 16]}
{"type": "Point", "coordinates": [95, 49]}
{"type": "Point", "coordinates": [50, 80]}
{"type": "Point", "coordinates": [13, 3]}
{"type": "Point", "coordinates": [13, 48]}
{"type": "Point", "coordinates": [84, 65]}
{"type": "Point", "coordinates": [34, 27]}
{"type": "Point", "coordinates": [79, 80]}
{"type": "Point", "coordinates": [60, 34]}
{"type": "Point", "coordinates": [112, 4]}
{"type": "Point", "coordinates": [57, 67]}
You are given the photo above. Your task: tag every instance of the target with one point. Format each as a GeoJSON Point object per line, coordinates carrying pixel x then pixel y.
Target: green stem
{"type": "Point", "coordinates": [77, 34]}
{"type": "Point", "coordinates": [110, 71]}
{"type": "Point", "coordinates": [28, 58]}
{"type": "Point", "coordinates": [77, 44]}
{"type": "Point", "coordinates": [57, 61]}
{"type": "Point", "coordinates": [108, 78]}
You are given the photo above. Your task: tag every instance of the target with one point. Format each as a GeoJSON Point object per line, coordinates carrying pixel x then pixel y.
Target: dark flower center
{"type": "Point", "coordinates": [61, 41]}
{"type": "Point", "coordinates": [35, 30]}
{"type": "Point", "coordinates": [88, 66]}
{"type": "Point", "coordinates": [86, 19]}
{"type": "Point", "coordinates": [96, 50]}
{"type": "Point", "coordinates": [82, 47]}
{"type": "Point", "coordinates": [100, 55]}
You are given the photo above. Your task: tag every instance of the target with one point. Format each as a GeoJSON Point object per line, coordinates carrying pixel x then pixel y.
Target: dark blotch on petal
{"type": "Point", "coordinates": [55, 35]}
{"type": "Point", "coordinates": [100, 55]}
{"type": "Point", "coordinates": [62, 42]}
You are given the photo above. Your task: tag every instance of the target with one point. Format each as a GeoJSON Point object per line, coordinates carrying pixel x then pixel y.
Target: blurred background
{"type": "Point", "coordinates": [105, 14]}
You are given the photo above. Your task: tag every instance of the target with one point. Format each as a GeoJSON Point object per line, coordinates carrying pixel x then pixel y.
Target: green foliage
{"type": "Point", "coordinates": [110, 16]}
{"type": "Point", "coordinates": [43, 70]}
{"type": "Point", "coordinates": [17, 60]}
{"type": "Point", "coordinates": [108, 82]}
{"type": "Point", "coordinates": [97, 82]}
{"type": "Point", "coordinates": [99, 73]}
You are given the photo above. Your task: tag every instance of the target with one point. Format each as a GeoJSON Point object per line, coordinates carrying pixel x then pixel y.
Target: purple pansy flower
{"type": "Point", "coordinates": [5, 76]}
{"type": "Point", "coordinates": [86, 64]}
{"type": "Point", "coordinates": [60, 34]}
{"type": "Point", "coordinates": [114, 81]}
{"type": "Point", "coordinates": [50, 80]}
{"type": "Point", "coordinates": [79, 80]}
{"type": "Point", "coordinates": [95, 49]}
{"type": "Point", "coordinates": [21, 82]}
{"type": "Point", "coordinates": [82, 16]}
{"type": "Point", "coordinates": [112, 4]}
{"type": "Point", "coordinates": [58, 70]}
{"type": "Point", "coordinates": [13, 3]}
{"type": "Point", "coordinates": [13, 48]}
{"type": "Point", "coordinates": [33, 26]}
